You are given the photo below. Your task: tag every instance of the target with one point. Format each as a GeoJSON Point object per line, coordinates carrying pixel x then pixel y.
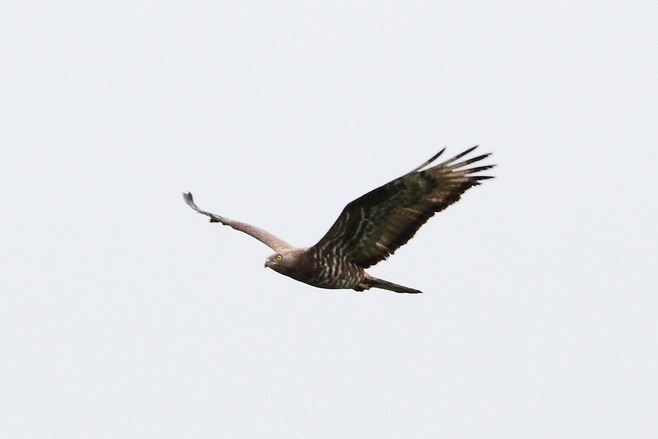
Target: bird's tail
{"type": "Point", "coordinates": [373, 282]}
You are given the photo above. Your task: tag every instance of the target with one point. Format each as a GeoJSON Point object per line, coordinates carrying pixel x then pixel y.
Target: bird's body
{"type": "Point", "coordinates": [312, 267]}
{"type": "Point", "coordinates": [370, 228]}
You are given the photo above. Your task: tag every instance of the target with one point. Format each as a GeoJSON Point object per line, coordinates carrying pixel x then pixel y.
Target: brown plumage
{"type": "Point", "coordinates": [370, 228]}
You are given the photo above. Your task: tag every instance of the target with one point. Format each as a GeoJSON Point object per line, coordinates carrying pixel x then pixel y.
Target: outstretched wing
{"type": "Point", "coordinates": [263, 236]}
{"type": "Point", "coordinates": [373, 226]}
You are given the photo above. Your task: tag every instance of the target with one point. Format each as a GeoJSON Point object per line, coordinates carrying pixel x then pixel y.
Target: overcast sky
{"type": "Point", "coordinates": [124, 314]}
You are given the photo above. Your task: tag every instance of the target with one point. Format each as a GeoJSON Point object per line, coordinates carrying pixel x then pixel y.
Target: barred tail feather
{"type": "Point", "coordinates": [373, 282]}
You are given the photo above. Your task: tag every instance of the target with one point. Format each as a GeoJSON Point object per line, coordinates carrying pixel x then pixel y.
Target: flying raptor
{"type": "Point", "coordinates": [370, 228]}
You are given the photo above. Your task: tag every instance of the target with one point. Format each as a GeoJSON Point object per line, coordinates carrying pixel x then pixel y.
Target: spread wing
{"type": "Point", "coordinates": [263, 236]}
{"type": "Point", "coordinates": [373, 226]}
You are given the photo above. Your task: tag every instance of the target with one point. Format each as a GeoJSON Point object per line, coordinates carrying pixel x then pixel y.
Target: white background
{"type": "Point", "coordinates": [125, 314]}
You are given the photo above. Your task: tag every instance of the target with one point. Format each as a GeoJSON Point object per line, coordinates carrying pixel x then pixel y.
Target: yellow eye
{"type": "Point", "coordinates": [278, 257]}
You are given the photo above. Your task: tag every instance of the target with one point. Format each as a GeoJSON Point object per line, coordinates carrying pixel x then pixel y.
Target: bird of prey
{"type": "Point", "coordinates": [370, 228]}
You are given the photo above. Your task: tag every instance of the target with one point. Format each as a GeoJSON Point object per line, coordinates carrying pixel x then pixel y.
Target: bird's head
{"type": "Point", "coordinates": [284, 262]}
{"type": "Point", "coordinates": [278, 262]}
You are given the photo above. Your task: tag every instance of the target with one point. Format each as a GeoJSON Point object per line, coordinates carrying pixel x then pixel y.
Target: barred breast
{"type": "Point", "coordinates": [332, 271]}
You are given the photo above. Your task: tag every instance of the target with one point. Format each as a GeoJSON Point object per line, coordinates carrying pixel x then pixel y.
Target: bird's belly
{"type": "Point", "coordinates": [336, 275]}
{"type": "Point", "coordinates": [336, 284]}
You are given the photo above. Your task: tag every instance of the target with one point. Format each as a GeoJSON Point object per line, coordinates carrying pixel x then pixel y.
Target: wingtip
{"type": "Point", "coordinates": [187, 196]}
{"type": "Point", "coordinates": [468, 151]}
{"type": "Point", "coordinates": [434, 157]}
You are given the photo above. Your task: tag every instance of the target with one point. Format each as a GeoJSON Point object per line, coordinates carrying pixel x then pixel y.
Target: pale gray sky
{"type": "Point", "coordinates": [125, 314]}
